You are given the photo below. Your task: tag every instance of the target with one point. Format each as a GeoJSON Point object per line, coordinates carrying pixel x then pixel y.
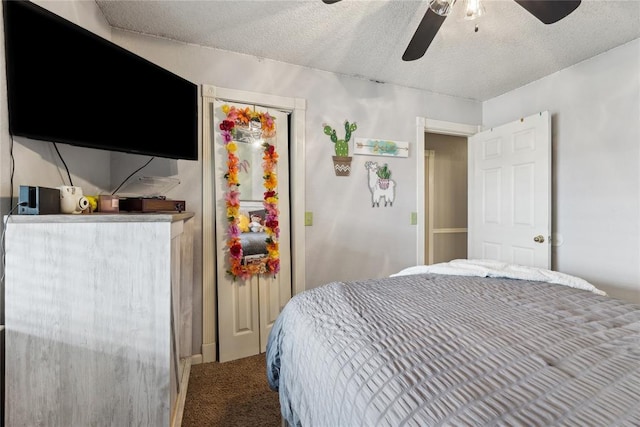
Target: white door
{"type": "Point", "coordinates": [510, 192]}
{"type": "Point", "coordinates": [248, 308]}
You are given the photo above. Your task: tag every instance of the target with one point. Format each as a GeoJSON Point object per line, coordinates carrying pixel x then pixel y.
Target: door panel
{"type": "Point", "coordinates": [270, 295]}
{"type": "Point", "coordinates": [243, 308]}
{"type": "Point", "coordinates": [523, 203]}
{"type": "Point", "coordinates": [491, 183]}
{"type": "Point", "coordinates": [510, 192]}
{"type": "Point", "coordinates": [523, 256]}
{"type": "Point", "coordinates": [275, 292]}
{"type": "Point", "coordinates": [490, 250]}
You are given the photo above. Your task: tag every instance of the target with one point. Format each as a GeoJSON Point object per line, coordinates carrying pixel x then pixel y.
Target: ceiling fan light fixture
{"type": "Point", "coordinates": [441, 7]}
{"type": "Point", "coordinates": [473, 9]}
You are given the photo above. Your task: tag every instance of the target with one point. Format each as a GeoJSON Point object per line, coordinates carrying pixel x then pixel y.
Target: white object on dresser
{"type": "Point", "coordinates": [96, 309]}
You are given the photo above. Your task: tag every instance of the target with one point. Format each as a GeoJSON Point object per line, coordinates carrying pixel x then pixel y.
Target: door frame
{"type": "Point", "coordinates": [424, 125]}
{"type": "Point", "coordinates": [430, 159]}
{"type": "Point", "coordinates": [297, 107]}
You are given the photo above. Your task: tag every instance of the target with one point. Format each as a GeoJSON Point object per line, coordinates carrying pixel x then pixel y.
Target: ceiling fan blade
{"type": "Point", "coordinates": [422, 38]}
{"type": "Point", "coordinates": [549, 11]}
{"type": "Point", "coordinates": [330, 1]}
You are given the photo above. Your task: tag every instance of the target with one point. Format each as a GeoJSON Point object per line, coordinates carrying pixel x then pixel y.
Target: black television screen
{"type": "Point", "coordinates": [66, 84]}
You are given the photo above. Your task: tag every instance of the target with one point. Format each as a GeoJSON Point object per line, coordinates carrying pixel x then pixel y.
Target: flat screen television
{"type": "Point", "coordinates": [66, 84]}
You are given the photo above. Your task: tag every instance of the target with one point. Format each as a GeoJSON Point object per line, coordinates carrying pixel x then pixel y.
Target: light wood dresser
{"type": "Point", "coordinates": [97, 319]}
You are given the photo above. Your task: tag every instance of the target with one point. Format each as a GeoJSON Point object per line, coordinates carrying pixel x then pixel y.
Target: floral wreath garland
{"type": "Point", "coordinates": [271, 263]}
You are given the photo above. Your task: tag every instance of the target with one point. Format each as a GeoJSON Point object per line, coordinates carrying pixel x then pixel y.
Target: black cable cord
{"type": "Point", "coordinates": [13, 169]}
{"type": "Point", "coordinates": [64, 163]}
{"type": "Point", "coordinates": [133, 173]}
{"type": "Point", "coordinates": [4, 230]}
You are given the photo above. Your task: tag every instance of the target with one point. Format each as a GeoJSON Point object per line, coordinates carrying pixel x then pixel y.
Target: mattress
{"type": "Point", "coordinates": [432, 349]}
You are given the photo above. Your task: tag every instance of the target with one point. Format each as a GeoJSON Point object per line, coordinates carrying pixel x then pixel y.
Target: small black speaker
{"type": "Point", "coordinates": [39, 200]}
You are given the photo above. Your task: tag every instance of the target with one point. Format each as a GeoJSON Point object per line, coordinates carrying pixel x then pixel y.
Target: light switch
{"type": "Point", "coordinates": [308, 219]}
{"type": "Point", "coordinates": [414, 218]}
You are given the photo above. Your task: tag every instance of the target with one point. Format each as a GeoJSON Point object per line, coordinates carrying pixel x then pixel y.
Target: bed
{"type": "Point", "coordinates": [472, 343]}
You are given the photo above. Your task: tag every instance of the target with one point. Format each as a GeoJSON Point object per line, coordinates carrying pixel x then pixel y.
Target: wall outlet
{"type": "Point", "coordinates": [308, 219]}
{"type": "Point", "coordinates": [414, 218]}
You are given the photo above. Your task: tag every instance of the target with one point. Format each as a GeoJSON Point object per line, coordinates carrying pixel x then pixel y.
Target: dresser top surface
{"type": "Point", "coordinates": [101, 217]}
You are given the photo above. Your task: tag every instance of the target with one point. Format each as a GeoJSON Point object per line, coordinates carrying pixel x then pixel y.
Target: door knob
{"type": "Point", "coordinates": [539, 238]}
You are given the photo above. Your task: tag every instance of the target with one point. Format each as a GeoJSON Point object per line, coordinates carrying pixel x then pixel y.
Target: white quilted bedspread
{"type": "Point", "coordinates": [427, 350]}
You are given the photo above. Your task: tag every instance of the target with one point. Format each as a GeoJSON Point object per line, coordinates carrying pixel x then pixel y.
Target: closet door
{"type": "Point", "coordinates": [248, 307]}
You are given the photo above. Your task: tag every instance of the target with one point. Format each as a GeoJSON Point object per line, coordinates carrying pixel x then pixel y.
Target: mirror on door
{"type": "Point", "coordinates": [251, 197]}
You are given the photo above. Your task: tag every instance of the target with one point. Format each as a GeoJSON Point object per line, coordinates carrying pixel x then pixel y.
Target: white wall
{"type": "Point", "coordinates": [595, 107]}
{"type": "Point", "coordinates": [349, 239]}
{"type": "Point", "coordinates": [346, 228]}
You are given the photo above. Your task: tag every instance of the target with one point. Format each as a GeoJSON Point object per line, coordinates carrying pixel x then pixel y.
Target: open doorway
{"type": "Point", "coordinates": [425, 127]}
{"type": "Point", "coordinates": [445, 166]}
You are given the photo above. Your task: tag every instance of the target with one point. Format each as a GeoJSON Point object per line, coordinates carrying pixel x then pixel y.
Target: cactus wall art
{"type": "Point", "coordinates": [342, 160]}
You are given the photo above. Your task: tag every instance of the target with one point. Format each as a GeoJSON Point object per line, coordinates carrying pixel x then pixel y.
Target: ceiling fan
{"type": "Point", "coordinates": [547, 11]}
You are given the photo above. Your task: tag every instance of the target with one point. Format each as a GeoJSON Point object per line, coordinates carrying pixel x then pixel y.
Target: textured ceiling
{"type": "Point", "coordinates": [367, 38]}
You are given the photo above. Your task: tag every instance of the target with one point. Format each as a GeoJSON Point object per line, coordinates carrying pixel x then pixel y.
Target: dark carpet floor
{"type": "Point", "coordinates": [231, 394]}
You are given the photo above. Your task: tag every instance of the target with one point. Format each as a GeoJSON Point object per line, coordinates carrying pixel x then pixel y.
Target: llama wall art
{"type": "Point", "coordinates": [380, 184]}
